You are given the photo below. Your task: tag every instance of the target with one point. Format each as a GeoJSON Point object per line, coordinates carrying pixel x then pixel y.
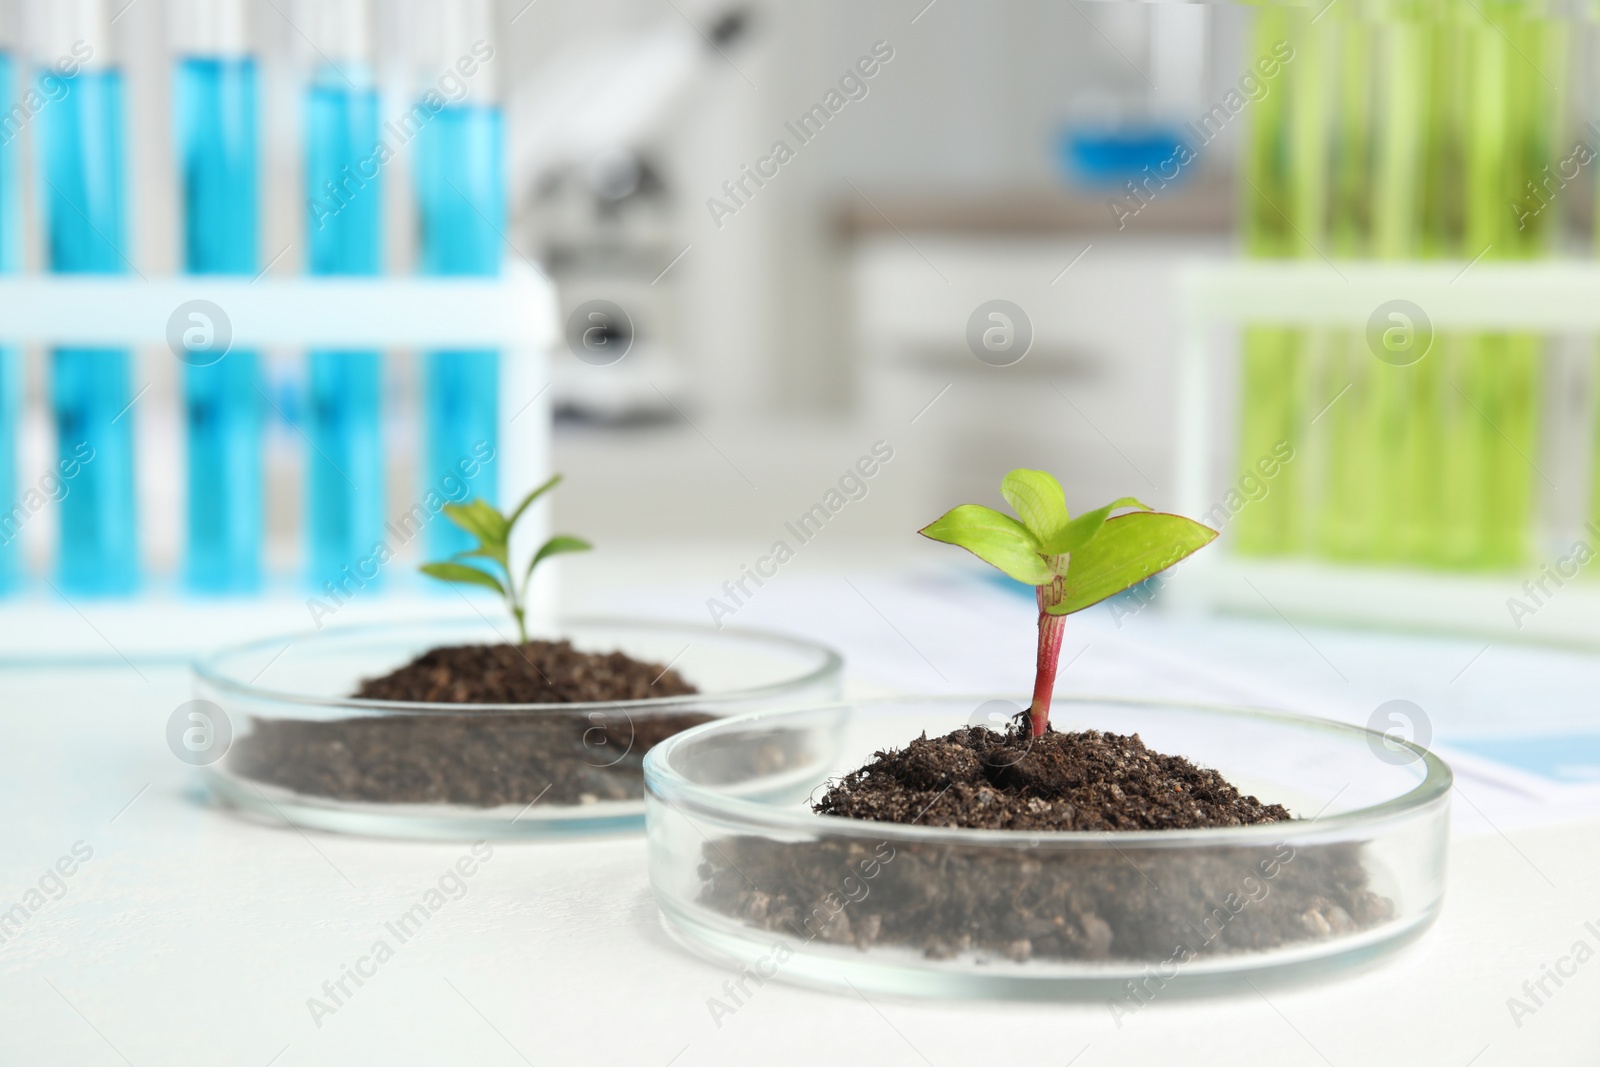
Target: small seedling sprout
{"type": "Point", "coordinates": [492, 531]}
{"type": "Point", "coordinates": [1072, 563]}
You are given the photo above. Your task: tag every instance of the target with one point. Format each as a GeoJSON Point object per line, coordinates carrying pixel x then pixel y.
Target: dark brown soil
{"type": "Point", "coordinates": [1122, 902]}
{"type": "Point", "coordinates": [539, 672]}
{"type": "Point", "coordinates": [1115, 903]}
{"type": "Point", "coordinates": [979, 779]}
{"type": "Point", "coordinates": [479, 759]}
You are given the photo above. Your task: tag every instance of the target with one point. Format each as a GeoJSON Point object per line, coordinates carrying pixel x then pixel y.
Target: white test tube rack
{"type": "Point", "coordinates": [1217, 298]}
{"type": "Point", "coordinates": [514, 313]}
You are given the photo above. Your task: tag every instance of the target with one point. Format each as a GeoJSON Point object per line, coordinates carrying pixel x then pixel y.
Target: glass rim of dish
{"type": "Point", "coordinates": [207, 667]}
{"type": "Point", "coordinates": [672, 789]}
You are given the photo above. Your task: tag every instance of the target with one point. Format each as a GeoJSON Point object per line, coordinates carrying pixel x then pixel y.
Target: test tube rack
{"type": "Point", "coordinates": [513, 313]}
{"type": "Point", "coordinates": [1556, 298]}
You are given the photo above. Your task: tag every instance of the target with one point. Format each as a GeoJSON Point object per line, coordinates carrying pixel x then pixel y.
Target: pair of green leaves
{"type": "Point", "coordinates": [1096, 554]}
{"type": "Point", "coordinates": [492, 531]}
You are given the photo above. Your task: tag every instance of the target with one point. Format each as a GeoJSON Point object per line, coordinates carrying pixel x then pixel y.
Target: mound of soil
{"type": "Point", "coordinates": [980, 779]}
{"type": "Point", "coordinates": [539, 672]}
{"type": "Point", "coordinates": [485, 759]}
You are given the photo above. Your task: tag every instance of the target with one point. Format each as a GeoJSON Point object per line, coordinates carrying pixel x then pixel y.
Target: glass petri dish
{"type": "Point", "coordinates": [291, 744]}
{"type": "Point", "coordinates": [744, 872]}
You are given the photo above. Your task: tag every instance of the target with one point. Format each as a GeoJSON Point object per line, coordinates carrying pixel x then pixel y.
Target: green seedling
{"type": "Point", "coordinates": [492, 530]}
{"type": "Point", "coordinates": [1072, 563]}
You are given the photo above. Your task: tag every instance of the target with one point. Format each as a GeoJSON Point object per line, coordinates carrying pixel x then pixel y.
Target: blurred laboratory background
{"type": "Point", "coordinates": [775, 232]}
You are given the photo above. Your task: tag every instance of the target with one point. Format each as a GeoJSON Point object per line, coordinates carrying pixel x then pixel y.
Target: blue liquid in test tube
{"type": "Point", "coordinates": [10, 365]}
{"type": "Point", "coordinates": [346, 465]}
{"type": "Point", "coordinates": [81, 158]}
{"type": "Point", "coordinates": [460, 187]}
{"type": "Point", "coordinates": [461, 197]}
{"type": "Point", "coordinates": [214, 101]}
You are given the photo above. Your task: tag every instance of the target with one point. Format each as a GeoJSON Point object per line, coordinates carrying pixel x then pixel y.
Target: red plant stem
{"type": "Point", "coordinates": [1051, 627]}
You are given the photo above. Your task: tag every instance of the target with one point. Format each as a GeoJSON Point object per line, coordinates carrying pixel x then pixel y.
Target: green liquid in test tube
{"type": "Point", "coordinates": [1533, 142]}
{"type": "Point", "coordinates": [1271, 412]}
{"type": "Point", "coordinates": [1346, 510]}
{"type": "Point", "coordinates": [1454, 442]}
{"type": "Point", "coordinates": [1495, 377]}
{"type": "Point", "coordinates": [1403, 481]}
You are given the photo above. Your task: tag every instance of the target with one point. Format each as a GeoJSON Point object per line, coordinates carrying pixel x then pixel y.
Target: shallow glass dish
{"type": "Point", "coordinates": [744, 872]}
{"type": "Point", "coordinates": [287, 741]}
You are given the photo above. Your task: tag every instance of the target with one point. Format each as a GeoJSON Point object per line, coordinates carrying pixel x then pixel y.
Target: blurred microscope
{"type": "Point", "coordinates": [594, 198]}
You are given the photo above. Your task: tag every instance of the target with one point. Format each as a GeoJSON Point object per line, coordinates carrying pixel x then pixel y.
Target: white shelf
{"type": "Point", "coordinates": [517, 308]}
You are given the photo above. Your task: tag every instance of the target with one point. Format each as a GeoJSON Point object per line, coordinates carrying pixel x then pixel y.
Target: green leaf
{"type": "Point", "coordinates": [462, 574]}
{"type": "Point", "coordinates": [1077, 533]}
{"type": "Point", "coordinates": [527, 501]}
{"type": "Point", "coordinates": [998, 540]}
{"type": "Point", "coordinates": [480, 519]}
{"type": "Point", "coordinates": [1037, 499]}
{"type": "Point", "coordinates": [497, 553]}
{"type": "Point", "coordinates": [497, 530]}
{"type": "Point", "coordinates": [555, 547]}
{"type": "Point", "coordinates": [1128, 549]}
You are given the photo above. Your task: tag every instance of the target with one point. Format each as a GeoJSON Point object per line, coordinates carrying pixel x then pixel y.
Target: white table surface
{"type": "Point", "coordinates": [192, 936]}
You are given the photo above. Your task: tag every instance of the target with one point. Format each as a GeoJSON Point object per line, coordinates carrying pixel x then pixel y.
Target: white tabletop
{"type": "Point", "coordinates": [190, 935]}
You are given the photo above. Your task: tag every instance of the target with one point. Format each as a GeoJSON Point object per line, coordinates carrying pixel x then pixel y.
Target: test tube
{"type": "Point", "coordinates": [1347, 514]}
{"type": "Point", "coordinates": [214, 118]}
{"type": "Point", "coordinates": [1274, 367]}
{"type": "Point", "coordinates": [344, 183]}
{"type": "Point", "coordinates": [81, 192]}
{"type": "Point", "coordinates": [460, 187]}
{"type": "Point", "coordinates": [11, 519]}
